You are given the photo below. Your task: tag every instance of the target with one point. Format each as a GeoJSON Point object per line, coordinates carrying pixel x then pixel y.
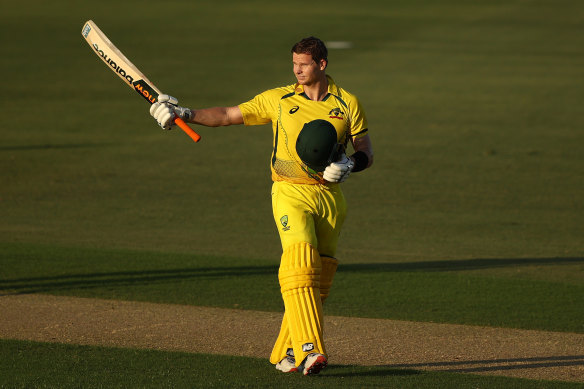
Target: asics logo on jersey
{"type": "Point", "coordinates": [336, 113]}
{"type": "Point", "coordinates": [294, 109]}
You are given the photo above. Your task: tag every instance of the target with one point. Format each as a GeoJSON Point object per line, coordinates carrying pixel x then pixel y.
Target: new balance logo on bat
{"type": "Point", "coordinates": [146, 91]}
{"type": "Point", "coordinates": [117, 68]}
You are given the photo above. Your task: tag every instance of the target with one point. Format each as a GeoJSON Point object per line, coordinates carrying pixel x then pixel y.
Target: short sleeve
{"type": "Point", "coordinates": [359, 125]}
{"type": "Point", "coordinates": [259, 110]}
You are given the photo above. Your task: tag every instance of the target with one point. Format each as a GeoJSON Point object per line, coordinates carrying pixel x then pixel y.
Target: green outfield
{"type": "Point", "coordinates": [472, 213]}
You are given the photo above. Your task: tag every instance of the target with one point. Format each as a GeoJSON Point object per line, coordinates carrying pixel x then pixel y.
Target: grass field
{"type": "Point", "coordinates": [40, 365]}
{"type": "Point", "coordinates": [472, 213]}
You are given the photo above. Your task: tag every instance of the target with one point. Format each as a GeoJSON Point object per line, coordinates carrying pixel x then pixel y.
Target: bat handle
{"type": "Point", "coordinates": [189, 131]}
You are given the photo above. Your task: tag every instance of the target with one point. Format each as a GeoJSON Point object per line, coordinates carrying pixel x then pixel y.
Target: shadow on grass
{"type": "Point", "coordinates": [129, 278]}
{"type": "Point", "coordinates": [366, 371]}
{"type": "Point", "coordinates": [457, 265]}
{"type": "Point", "coordinates": [126, 278]}
{"type": "Point", "coordinates": [490, 365]}
{"type": "Point", "coordinates": [472, 366]}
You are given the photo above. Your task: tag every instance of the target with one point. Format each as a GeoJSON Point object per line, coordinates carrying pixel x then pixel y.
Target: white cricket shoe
{"type": "Point", "coordinates": [313, 364]}
{"type": "Point", "coordinates": [287, 365]}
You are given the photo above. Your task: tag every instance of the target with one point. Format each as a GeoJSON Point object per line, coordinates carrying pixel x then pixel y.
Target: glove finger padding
{"type": "Point", "coordinates": [163, 113]}
{"type": "Point", "coordinates": [165, 120]}
{"type": "Point", "coordinates": [165, 110]}
{"type": "Point", "coordinates": [339, 171]}
{"type": "Point", "coordinates": [153, 108]}
{"type": "Point", "coordinates": [332, 173]}
{"type": "Point", "coordinates": [167, 99]}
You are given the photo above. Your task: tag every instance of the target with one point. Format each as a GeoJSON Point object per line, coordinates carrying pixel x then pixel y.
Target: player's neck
{"type": "Point", "coordinates": [317, 90]}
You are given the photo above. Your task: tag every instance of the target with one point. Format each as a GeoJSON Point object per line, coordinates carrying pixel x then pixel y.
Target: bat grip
{"type": "Point", "coordinates": [188, 130]}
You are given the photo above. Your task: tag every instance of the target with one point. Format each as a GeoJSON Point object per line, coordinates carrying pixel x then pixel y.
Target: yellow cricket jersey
{"type": "Point", "coordinates": [288, 108]}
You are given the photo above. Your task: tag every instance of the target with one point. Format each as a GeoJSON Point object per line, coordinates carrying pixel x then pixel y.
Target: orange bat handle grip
{"type": "Point", "coordinates": [189, 131]}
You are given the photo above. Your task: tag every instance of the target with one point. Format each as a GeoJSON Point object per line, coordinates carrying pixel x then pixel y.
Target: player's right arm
{"type": "Point", "coordinates": [166, 108]}
{"type": "Point", "coordinates": [217, 116]}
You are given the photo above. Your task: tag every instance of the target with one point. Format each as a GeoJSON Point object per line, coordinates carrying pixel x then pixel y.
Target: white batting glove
{"type": "Point", "coordinates": [166, 109]}
{"type": "Point", "coordinates": [340, 170]}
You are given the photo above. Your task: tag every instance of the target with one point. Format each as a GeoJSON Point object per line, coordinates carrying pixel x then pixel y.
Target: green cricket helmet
{"type": "Point", "coordinates": [317, 144]}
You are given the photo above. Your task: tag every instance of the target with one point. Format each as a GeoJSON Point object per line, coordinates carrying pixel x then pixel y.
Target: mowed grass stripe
{"type": "Point", "coordinates": [426, 291]}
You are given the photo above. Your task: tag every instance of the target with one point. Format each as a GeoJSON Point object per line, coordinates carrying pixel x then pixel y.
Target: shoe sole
{"type": "Point", "coordinates": [319, 364]}
{"type": "Point", "coordinates": [292, 370]}
{"type": "Point", "coordinates": [286, 369]}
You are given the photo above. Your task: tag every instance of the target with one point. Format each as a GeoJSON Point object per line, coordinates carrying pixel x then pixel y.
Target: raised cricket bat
{"type": "Point", "coordinates": [126, 70]}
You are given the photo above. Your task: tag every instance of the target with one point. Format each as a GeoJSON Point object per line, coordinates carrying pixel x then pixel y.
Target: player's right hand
{"type": "Point", "coordinates": [166, 109]}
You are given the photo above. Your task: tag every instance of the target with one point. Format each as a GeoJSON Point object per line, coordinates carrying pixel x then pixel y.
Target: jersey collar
{"type": "Point", "coordinates": [332, 89]}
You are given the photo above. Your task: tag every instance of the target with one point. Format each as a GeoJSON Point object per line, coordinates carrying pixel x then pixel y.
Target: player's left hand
{"type": "Point", "coordinates": [340, 170]}
{"type": "Point", "coordinates": [166, 109]}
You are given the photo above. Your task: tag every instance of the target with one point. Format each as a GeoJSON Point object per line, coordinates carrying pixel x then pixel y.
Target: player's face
{"type": "Point", "coordinates": [307, 71]}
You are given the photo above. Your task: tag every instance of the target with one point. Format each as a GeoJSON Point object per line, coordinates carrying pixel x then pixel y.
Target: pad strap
{"type": "Point", "coordinates": [329, 268]}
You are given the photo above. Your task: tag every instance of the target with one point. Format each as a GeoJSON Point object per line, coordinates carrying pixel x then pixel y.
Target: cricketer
{"type": "Point", "coordinates": [312, 121]}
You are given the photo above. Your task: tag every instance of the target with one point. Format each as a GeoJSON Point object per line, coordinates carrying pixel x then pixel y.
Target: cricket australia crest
{"type": "Point", "coordinates": [284, 221]}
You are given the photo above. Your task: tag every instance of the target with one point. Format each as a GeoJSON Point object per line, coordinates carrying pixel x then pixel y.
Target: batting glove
{"type": "Point", "coordinates": [166, 109]}
{"type": "Point", "coordinates": [340, 170]}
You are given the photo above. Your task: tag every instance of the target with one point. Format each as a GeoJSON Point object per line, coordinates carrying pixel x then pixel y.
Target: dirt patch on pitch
{"type": "Point", "coordinates": [356, 341]}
